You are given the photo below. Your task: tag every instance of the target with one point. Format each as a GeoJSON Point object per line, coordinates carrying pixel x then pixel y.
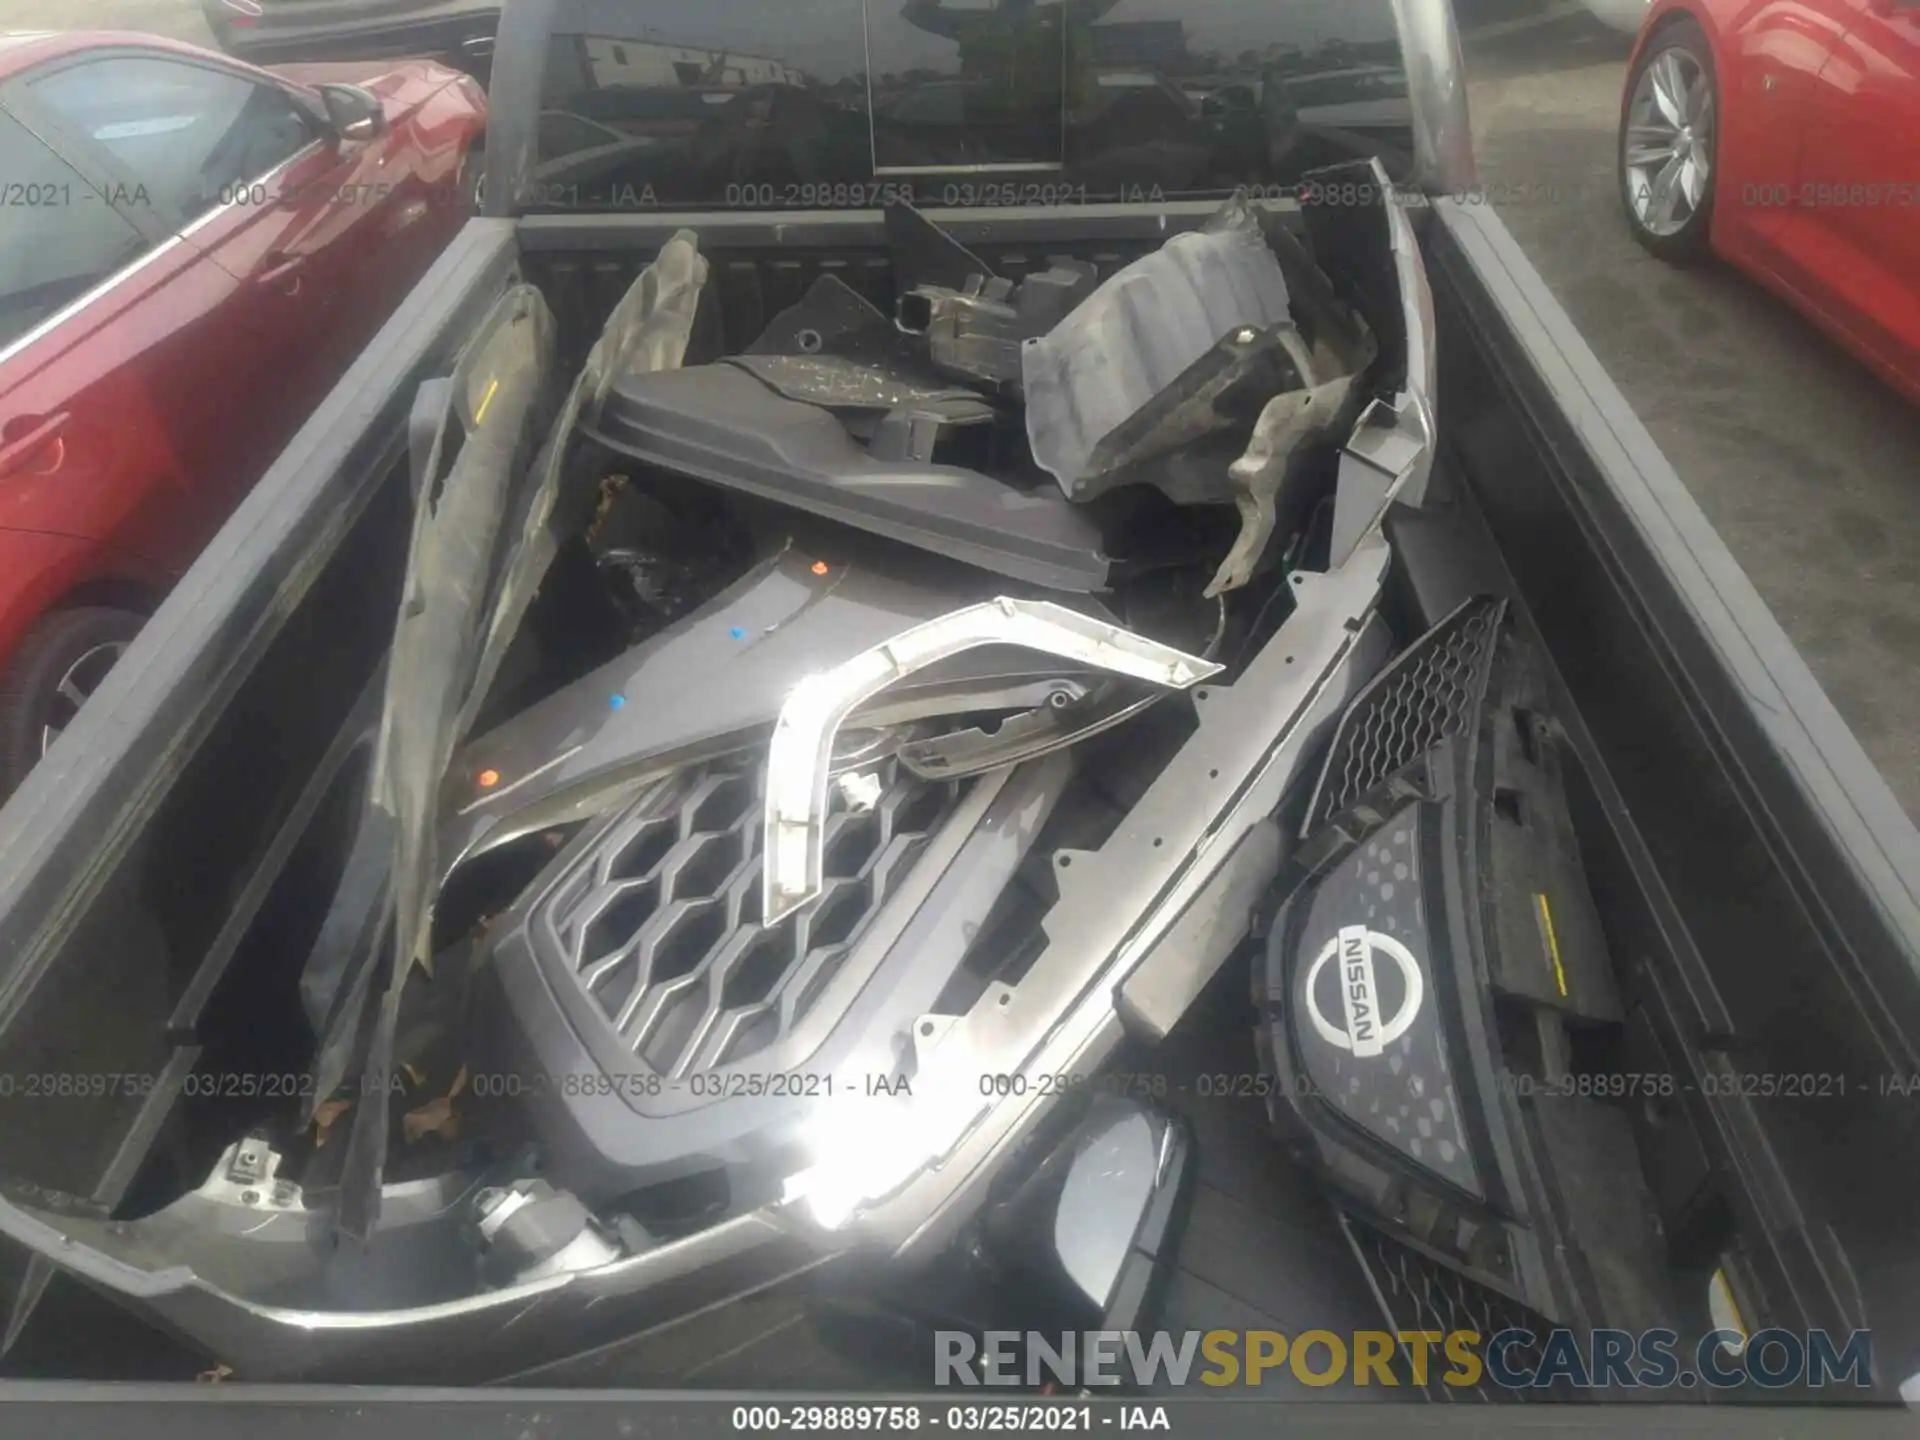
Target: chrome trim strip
{"type": "Point", "coordinates": [1004, 167]}
{"type": "Point", "coordinates": [135, 266]}
{"type": "Point", "coordinates": [799, 759]}
{"type": "Point", "coordinates": [97, 293]}
{"type": "Point", "coordinates": [901, 1171]}
{"type": "Point", "coordinates": [202, 221]}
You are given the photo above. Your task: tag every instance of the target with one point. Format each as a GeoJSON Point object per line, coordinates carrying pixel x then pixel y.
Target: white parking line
{"type": "Point", "coordinates": [1559, 10]}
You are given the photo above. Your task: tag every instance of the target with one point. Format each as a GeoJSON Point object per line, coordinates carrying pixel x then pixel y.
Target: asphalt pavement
{"type": "Point", "coordinates": [1809, 469]}
{"type": "Point", "coordinates": [176, 19]}
{"type": "Point", "coordinates": [1807, 466]}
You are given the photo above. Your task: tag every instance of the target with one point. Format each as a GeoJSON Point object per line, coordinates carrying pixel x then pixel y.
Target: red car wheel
{"type": "Point", "coordinates": [57, 668]}
{"type": "Point", "coordinates": [1668, 129]}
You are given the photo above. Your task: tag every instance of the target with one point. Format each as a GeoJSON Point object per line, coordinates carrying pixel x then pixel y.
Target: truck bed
{"type": "Point", "coordinates": [141, 862]}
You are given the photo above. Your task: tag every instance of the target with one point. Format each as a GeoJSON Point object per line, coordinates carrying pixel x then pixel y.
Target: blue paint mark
{"type": "Point", "coordinates": [614, 702]}
{"type": "Point", "coordinates": [738, 633]}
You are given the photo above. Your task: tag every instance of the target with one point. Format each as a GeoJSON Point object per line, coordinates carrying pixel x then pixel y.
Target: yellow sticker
{"type": "Point", "coordinates": [1553, 943]}
{"type": "Point", "coordinates": [1725, 1311]}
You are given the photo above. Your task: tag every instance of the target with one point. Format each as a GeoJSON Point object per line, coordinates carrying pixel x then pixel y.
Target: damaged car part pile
{"type": "Point", "coordinates": [884, 787]}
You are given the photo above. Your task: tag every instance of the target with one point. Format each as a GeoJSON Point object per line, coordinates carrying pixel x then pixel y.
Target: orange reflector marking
{"type": "Point", "coordinates": [489, 779]}
{"type": "Point", "coordinates": [819, 567]}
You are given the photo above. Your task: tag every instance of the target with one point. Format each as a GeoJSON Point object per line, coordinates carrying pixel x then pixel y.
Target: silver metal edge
{"type": "Point", "coordinates": [1437, 87]}
{"type": "Point", "coordinates": [799, 756]}
{"type": "Point", "coordinates": [1063, 1017]}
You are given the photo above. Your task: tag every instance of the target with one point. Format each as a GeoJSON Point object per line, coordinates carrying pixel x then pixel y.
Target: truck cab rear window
{"type": "Point", "coordinates": [753, 104]}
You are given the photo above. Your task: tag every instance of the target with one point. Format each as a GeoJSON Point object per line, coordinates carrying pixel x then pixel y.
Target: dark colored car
{"type": "Point", "coordinates": [194, 251]}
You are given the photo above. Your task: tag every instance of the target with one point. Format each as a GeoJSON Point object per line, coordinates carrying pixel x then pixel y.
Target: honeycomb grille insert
{"type": "Point", "coordinates": [1417, 1292]}
{"type": "Point", "coordinates": [1427, 695]}
{"type": "Point", "coordinates": [659, 921]}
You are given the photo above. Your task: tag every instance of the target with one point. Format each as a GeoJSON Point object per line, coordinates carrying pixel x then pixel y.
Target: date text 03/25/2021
{"type": "Point", "coordinates": [1027, 1417]}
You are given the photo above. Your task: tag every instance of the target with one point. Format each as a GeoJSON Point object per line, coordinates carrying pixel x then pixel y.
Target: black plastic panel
{"type": "Point", "coordinates": [1425, 696]}
{"type": "Point", "coordinates": [1417, 1293]}
{"type": "Point", "coordinates": [1428, 974]}
{"type": "Point", "coordinates": [721, 424]}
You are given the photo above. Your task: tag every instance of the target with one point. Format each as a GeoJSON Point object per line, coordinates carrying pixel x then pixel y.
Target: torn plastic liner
{"type": "Point", "coordinates": [650, 325]}
{"type": "Point", "coordinates": [1126, 345]}
{"type": "Point", "coordinates": [1288, 420]}
{"type": "Point", "coordinates": [649, 329]}
{"type": "Point", "coordinates": [1231, 331]}
{"type": "Point", "coordinates": [499, 385]}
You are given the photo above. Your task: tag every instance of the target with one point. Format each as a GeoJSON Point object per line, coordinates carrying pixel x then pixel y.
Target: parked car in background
{"type": "Point", "coordinates": [193, 252]}
{"type": "Point", "coordinates": [1626, 15]}
{"type": "Point", "coordinates": [1484, 17]}
{"type": "Point", "coordinates": [458, 33]}
{"type": "Point", "coordinates": [1786, 139]}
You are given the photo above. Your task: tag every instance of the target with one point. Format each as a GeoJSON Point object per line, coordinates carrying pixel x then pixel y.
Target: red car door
{"type": "Point", "coordinates": [89, 307]}
{"type": "Point", "coordinates": [1773, 53]}
{"type": "Point", "coordinates": [241, 365]}
{"type": "Point", "coordinates": [1862, 184]}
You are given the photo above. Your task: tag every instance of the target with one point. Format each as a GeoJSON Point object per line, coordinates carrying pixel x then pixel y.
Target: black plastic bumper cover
{"type": "Point", "coordinates": [1429, 975]}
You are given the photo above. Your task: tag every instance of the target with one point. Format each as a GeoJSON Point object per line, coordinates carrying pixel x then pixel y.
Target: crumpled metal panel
{"type": "Point", "coordinates": [661, 921]}
{"type": "Point", "coordinates": [1137, 334]}
{"type": "Point", "coordinates": [648, 329]}
{"type": "Point", "coordinates": [651, 325]}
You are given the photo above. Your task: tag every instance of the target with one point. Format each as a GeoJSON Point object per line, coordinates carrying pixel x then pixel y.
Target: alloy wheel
{"type": "Point", "coordinates": [82, 678]}
{"type": "Point", "coordinates": [1668, 153]}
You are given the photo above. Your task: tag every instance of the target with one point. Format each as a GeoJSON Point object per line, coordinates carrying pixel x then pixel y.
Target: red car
{"type": "Point", "coordinates": [192, 251]}
{"type": "Point", "coordinates": [1785, 137]}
